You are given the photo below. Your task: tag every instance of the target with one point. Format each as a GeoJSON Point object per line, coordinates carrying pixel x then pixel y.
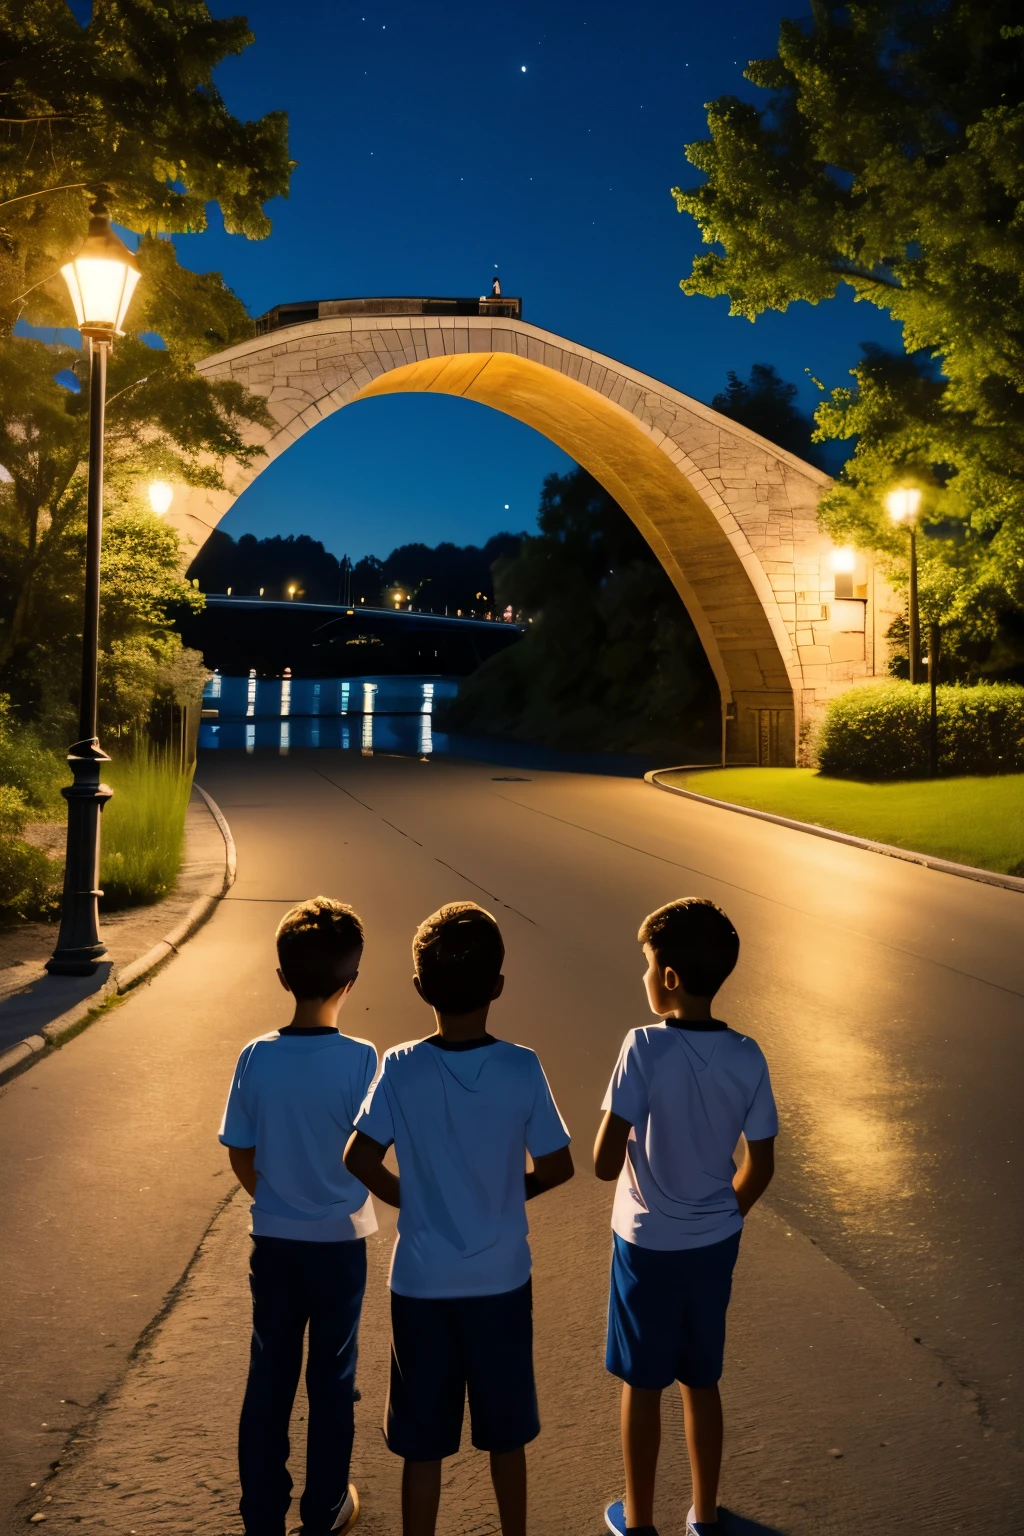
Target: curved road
{"type": "Point", "coordinates": [879, 1321]}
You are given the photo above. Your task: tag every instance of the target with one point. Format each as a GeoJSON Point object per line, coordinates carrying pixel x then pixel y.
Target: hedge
{"type": "Point", "coordinates": [881, 732]}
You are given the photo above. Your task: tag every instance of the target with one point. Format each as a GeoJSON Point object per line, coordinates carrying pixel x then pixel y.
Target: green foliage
{"type": "Point", "coordinates": [28, 765]}
{"type": "Point", "coordinates": [129, 101]}
{"type": "Point", "coordinates": [143, 827]}
{"type": "Point", "coordinates": [888, 157]}
{"type": "Point", "coordinates": [610, 660]}
{"type": "Point", "coordinates": [970, 820]}
{"type": "Point", "coordinates": [767, 405]}
{"type": "Point", "coordinates": [882, 732]}
{"type": "Point", "coordinates": [29, 882]}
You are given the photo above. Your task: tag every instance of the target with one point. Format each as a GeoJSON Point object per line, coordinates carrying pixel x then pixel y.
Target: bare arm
{"type": "Point", "coordinates": [610, 1146]}
{"type": "Point", "coordinates": [243, 1166]}
{"type": "Point", "coordinates": [549, 1171]}
{"type": "Point", "coordinates": [755, 1174]}
{"type": "Point", "coordinates": [364, 1159]}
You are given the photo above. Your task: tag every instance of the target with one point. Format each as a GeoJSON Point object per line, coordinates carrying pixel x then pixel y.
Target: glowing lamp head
{"type": "Point", "coordinates": [903, 504]}
{"type": "Point", "coordinates": [101, 278]}
{"type": "Point", "coordinates": [844, 561]}
{"type": "Point", "coordinates": [160, 496]}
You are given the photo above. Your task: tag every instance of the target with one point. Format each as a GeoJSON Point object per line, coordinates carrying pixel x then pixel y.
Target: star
{"type": "Point", "coordinates": [522, 69]}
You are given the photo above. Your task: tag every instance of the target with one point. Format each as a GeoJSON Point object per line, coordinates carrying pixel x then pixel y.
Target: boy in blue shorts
{"type": "Point", "coordinates": [682, 1093]}
{"type": "Point", "coordinates": [293, 1100]}
{"type": "Point", "coordinates": [462, 1110]}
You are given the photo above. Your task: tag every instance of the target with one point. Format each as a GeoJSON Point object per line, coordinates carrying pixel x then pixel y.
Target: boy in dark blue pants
{"type": "Point", "coordinates": [683, 1093]}
{"type": "Point", "coordinates": [462, 1109]}
{"type": "Point", "coordinates": [293, 1100]}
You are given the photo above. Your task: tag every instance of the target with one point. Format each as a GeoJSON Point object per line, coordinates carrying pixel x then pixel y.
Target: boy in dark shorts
{"type": "Point", "coordinates": [680, 1097]}
{"type": "Point", "coordinates": [462, 1110]}
{"type": "Point", "coordinates": [290, 1111]}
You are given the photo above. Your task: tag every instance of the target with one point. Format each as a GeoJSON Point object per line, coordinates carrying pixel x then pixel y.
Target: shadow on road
{"type": "Point", "coordinates": [732, 1524]}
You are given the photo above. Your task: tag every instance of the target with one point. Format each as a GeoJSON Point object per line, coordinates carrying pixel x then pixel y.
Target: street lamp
{"type": "Point", "coordinates": [903, 506]}
{"type": "Point", "coordinates": [160, 496]}
{"type": "Point", "coordinates": [101, 280]}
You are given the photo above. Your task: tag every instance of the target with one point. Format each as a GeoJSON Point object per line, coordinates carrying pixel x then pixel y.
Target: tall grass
{"type": "Point", "coordinates": [143, 827]}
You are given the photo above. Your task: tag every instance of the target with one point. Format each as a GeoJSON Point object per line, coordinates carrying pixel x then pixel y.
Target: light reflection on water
{"type": "Point", "coordinates": [389, 714]}
{"type": "Point", "coordinates": [396, 713]}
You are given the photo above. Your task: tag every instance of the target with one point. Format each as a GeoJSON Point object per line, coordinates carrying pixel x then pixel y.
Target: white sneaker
{"type": "Point", "coordinates": [348, 1514]}
{"type": "Point", "coordinates": [695, 1527]}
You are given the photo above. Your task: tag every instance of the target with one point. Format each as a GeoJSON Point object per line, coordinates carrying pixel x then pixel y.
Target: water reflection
{"type": "Point", "coordinates": [394, 714]}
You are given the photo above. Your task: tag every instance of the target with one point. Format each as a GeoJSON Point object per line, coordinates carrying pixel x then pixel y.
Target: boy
{"type": "Point", "coordinates": [462, 1110]}
{"type": "Point", "coordinates": [681, 1095]}
{"type": "Point", "coordinates": [293, 1100]}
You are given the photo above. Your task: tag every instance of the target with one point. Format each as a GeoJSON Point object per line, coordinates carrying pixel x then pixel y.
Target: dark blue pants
{"type": "Point", "coordinates": [295, 1283]}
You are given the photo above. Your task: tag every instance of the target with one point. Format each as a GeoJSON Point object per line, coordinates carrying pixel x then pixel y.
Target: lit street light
{"type": "Point", "coordinates": [101, 280]}
{"type": "Point", "coordinates": [903, 506]}
{"type": "Point", "coordinates": [160, 496]}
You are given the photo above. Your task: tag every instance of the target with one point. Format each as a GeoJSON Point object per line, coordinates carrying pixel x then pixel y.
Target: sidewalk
{"type": "Point", "coordinates": [31, 999]}
{"type": "Point", "coordinates": [828, 1405]}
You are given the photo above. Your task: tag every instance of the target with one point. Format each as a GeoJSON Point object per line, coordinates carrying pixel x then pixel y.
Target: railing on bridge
{"type": "Point", "coordinates": [322, 309]}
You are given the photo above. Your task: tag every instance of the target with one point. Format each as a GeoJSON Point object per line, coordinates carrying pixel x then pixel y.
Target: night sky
{"type": "Point", "coordinates": [438, 144]}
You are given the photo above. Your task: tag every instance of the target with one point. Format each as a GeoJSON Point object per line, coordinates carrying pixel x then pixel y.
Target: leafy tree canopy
{"type": "Point", "coordinates": [889, 157]}
{"type": "Point", "coordinates": [610, 659]}
{"type": "Point", "coordinates": [767, 405]}
{"type": "Point", "coordinates": [129, 102]}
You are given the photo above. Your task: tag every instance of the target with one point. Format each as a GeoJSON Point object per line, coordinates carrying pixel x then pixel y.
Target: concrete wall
{"type": "Point", "coordinates": [731, 517]}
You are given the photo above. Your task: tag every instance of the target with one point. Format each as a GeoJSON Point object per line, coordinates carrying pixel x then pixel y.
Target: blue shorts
{"type": "Point", "coordinates": [443, 1349]}
{"type": "Point", "coordinates": [666, 1313]}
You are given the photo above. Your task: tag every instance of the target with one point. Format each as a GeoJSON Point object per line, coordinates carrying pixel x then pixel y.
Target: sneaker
{"type": "Point", "coordinates": [348, 1514]}
{"type": "Point", "coordinates": [695, 1527]}
{"type": "Point", "coordinates": [615, 1517]}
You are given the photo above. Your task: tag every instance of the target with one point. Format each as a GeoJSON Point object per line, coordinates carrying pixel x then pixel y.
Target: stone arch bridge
{"type": "Point", "coordinates": [731, 517]}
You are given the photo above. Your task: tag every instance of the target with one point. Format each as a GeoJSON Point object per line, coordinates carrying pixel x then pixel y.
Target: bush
{"type": "Point", "coordinates": [143, 827]}
{"type": "Point", "coordinates": [29, 882]}
{"type": "Point", "coordinates": [882, 732]}
{"type": "Point", "coordinates": [30, 766]}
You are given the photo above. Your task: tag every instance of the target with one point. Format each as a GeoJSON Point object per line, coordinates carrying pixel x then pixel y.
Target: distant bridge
{"type": "Point", "coordinates": [731, 517]}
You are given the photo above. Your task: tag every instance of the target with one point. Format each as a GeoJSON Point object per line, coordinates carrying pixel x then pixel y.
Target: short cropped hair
{"type": "Point", "coordinates": [319, 946]}
{"type": "Point", "coordinates": [696, 939]}
{"type": "Point", "coordinates": [458, 954]}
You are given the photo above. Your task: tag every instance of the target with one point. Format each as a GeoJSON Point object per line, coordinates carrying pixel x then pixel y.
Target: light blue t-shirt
{"type": "Point", "coordinates": [687, 1093]}
{"type": "Point", "coordinates": [462, 1121]}
{"type": "Point", "coordinates": [294, 1098]}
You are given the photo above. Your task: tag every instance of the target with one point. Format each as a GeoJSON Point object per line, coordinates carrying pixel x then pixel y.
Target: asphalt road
{"type": "Point", "coordinates": [888, 999]}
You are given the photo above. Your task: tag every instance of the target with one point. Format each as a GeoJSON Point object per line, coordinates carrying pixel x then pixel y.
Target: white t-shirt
{"type": "Point", "coordinates": [687, 1093]}
{"type": "Point", "coordinates": [462, 1121]}
{"type": "Point", "coordinates": [294, 1098]}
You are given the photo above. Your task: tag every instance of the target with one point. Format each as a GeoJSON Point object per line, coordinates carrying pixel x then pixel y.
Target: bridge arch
{"type": "Point", "coordinates": [731, 517]}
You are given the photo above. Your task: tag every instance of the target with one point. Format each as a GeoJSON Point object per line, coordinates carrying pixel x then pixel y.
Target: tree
{"type": "Point", "coordinates": [766, 404]}
{"type": "Point", "coordinates": [127, 101]}
{"type": "Point", "coordinates": [610, 659]}
{"type": "Point", "coordinates": [888, 158]}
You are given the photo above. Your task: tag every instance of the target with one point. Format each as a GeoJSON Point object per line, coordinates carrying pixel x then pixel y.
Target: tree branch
{"type": "Point", "coordinates": [864, 275]}
{"type": "Point", "coordinates": [72, 186]}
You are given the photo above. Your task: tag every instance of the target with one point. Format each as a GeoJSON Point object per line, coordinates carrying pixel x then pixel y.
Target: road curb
{"type": "Point", "coordinates": [17, 1057]}
{"type": "Point", "coordinates": [926, 860]}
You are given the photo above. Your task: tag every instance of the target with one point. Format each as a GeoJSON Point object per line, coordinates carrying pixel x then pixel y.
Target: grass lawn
{"type": "Point", "coordinates": [971, 821]}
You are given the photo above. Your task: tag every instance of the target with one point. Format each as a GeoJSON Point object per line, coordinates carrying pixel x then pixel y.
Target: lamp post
{"type": "Point", "coordinates": [101, 280]}
{"type": "Point", "coordinates": [903, 506]}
